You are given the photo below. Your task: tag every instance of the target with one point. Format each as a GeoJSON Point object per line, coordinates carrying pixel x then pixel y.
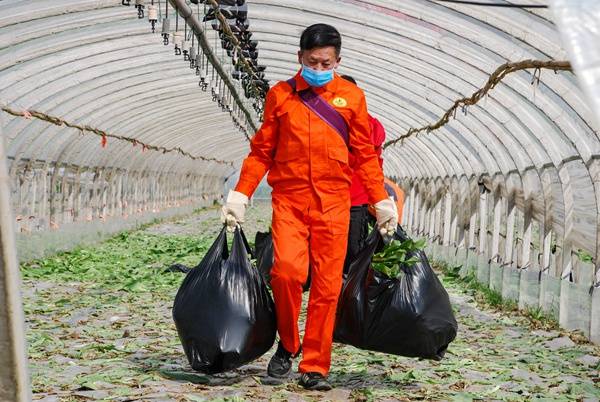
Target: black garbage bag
{"type": "Point", "coordinates": [223, 311]}
{"type": "Point", "coordinates": [263, 246]}
{"type": "Point", "coordinates": [408, 316]}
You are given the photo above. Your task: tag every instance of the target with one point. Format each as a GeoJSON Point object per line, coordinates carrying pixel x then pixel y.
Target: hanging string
{"type": "Point", "coordinates": [57, 121]}
{"type": "Point", "coordinates": [535, 81]}
{"type": "Point", "coordinates": [166, 23]}
{"type": "Point", "coordinates": [216, 43]}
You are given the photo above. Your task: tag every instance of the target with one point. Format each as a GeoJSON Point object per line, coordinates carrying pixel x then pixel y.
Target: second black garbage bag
{"type": "Point", "coordinates": [409, 316]}
{"type": "Point", "coordinates": [263, 246]}
{"type": "Point", "coordinates": [223, 311]}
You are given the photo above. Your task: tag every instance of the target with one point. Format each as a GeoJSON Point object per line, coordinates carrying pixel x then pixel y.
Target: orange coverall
{"type": "Point", "coordinates": [396, 192]}
{"type": "Point", "coordinates": [308, 170]}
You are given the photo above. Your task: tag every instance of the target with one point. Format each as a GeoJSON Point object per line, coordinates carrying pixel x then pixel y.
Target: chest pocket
{"type": "Point", "coordinates": [339, 154]}
{"type": "Point", "coordinates": [287, 107]}
{"type": "Point", "coordinates": [292, 123]}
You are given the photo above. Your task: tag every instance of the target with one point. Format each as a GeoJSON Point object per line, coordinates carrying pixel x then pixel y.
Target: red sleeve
{"type": "Point", "coordinates": [377, 136]}
{"type": "Point", "coordinates": [367, 166]}
{"type": "Point", "coordinates": [377, 132]}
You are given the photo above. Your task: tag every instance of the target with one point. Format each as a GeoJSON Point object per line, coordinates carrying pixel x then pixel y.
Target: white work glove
{"type": "Point", "coordinates": [232, 213]}
{"type": "Point", "coordinates": [387, 217]}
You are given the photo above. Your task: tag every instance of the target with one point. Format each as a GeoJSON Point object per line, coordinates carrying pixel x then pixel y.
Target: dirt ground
{"type": "Point", "coordinates": [99, 327]}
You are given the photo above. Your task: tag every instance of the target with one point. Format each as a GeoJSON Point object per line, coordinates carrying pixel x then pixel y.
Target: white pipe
{"type": "Point", "coordinates": [14, 379]}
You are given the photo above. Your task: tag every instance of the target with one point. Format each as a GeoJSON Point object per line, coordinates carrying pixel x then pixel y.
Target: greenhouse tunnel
{"type": "Point", "coordinates": [106, 125]}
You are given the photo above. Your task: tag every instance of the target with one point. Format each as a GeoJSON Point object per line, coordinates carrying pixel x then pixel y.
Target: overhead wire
{"type": "Point", "coordinates": [486, 4]}
{"type": "Point", "coordinates": [57, 121]}
{"type": "Point", "coordinates": [497, 76]}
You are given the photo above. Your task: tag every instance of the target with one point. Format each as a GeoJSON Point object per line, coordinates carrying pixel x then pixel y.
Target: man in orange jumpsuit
{"type": "Point", "coordinates": [303, 148]}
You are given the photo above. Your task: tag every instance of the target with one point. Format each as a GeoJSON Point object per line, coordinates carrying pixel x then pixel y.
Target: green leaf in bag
{"type": "Point", "coordinates": [394, 255]}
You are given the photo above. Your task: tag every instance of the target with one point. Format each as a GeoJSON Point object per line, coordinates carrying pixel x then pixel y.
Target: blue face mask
{"type": "Point", "coordinates": [316, 78]}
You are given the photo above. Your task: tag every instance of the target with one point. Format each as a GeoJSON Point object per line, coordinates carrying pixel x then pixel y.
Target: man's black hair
{"type": "Point", "coordinates": [321, 35]}
{"type": "Point", "coordinates": [348, 78]}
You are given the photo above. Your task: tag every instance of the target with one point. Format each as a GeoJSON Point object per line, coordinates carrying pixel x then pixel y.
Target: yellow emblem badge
{"type": "Point", "coordinates": [340, 102]}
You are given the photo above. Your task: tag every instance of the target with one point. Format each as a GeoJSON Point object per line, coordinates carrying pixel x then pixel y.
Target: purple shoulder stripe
{"type": "Point", "coordinates": [324, 110]}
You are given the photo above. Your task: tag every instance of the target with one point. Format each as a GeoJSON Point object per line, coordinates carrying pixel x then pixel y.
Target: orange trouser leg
{"type": "Point", "coordinates": [290, 269]}
{"type": "Point", "coordinates": [300, 226]}
{"type": "Point", "coordinates": [328, 243]}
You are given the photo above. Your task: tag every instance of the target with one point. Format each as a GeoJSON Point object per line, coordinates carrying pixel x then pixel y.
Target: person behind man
{"type": "Point", "coordinates": [311, 123]}
{"type": "Point", "coordinates": [359, 212]}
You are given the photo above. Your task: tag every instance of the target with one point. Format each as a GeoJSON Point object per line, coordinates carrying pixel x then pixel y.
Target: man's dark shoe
{"type": "Point", "coordinates": [280, 365]}
{"type": "Point", "coordinates": [315, 382]}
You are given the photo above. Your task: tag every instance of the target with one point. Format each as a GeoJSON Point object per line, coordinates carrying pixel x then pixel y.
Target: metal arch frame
{"type": "Point", "coordinates": [93, 140]}
{"type": "Point", "coordinates": [28, 30]}
{"type": "Point", "coordinates": [555, 130]}
{"type": "Point", "coordinates": [286, 21]}
{"type": "Point", "coordinates": [552, 130]}
{"type": "Point", "coordinates": [413, 168]}
{"type": "Point", "coordinates": [193, 81]}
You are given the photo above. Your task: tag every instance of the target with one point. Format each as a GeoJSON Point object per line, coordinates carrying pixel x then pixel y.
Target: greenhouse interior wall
{"type": "Point", "coordinates": [105, 129]}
